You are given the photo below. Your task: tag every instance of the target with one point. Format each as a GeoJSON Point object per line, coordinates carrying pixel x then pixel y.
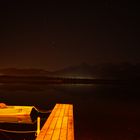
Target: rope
{"type": "Point", "coordinates": [44, 111]}
{"type": "Point", "coordinates": [12, 131]}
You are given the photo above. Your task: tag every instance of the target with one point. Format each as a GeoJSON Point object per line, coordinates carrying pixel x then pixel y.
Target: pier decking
{"type": "Point", "coordinates": [59, 125]}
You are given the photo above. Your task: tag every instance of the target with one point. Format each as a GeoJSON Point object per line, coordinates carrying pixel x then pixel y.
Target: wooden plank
{"type": "Point", "coordinates": [71, 124]}
{"type": "Point", "coordinates": [59, 125]}
{"type": "Point", "coordinates": [70, 130]}
{"type": "Point", "coordinates": [57, 130]}
{"type": "Point", "coordinates": [50, 131]}
{"type": "Point", "coordinates": [51, 128]}
{"type": "Point", "coordinates": [63, 133]}
{"type": "Point", "coordinates": [67, 110]}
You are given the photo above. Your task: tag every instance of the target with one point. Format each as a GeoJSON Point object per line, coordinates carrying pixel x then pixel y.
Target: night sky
{"type": "Point", "coordinates": [56, 34]}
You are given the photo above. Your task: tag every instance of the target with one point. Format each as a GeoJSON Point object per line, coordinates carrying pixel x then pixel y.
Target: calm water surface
{"type": "Point", "coordinates": [101, 112]}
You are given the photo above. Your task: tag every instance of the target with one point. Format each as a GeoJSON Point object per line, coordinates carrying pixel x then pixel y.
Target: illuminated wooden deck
{"type": "Point", "coordinates": [59, 125]}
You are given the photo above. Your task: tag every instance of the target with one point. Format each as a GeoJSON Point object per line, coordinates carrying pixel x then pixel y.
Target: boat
{"type": "Point", "coordinates": [18, 114]}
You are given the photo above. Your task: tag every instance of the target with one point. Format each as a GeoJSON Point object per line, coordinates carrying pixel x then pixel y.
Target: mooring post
{"type": "Point", "coordinates": [38, 125]}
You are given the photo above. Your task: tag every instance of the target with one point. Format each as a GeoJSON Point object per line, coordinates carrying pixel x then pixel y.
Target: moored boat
{"type": "Point", "coordinates": [17, 114]}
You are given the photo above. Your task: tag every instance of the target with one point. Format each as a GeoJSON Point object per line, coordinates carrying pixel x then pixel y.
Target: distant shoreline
{"type": "Point", "coordinates": [60, 80]}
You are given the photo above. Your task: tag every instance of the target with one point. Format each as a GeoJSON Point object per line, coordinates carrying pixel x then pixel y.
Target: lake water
{"type": "Point", "coordinates": [101, 112]}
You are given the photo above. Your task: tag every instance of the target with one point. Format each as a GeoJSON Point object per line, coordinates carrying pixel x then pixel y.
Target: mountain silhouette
{"type": "Point", "coordinates": [83, 70]}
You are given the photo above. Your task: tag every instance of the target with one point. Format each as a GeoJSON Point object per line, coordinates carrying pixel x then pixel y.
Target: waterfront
{"type": "Point", "coordinates": [101, 112]}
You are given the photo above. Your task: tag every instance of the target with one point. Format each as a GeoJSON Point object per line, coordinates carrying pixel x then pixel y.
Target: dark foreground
{"type": "Point", "coordinates": [101, 112]}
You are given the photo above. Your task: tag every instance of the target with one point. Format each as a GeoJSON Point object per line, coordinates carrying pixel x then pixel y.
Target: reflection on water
{"type": "Point", "coordinates": [103, 112]}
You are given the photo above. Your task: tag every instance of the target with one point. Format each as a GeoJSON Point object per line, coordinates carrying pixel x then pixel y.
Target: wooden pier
{"type": "Point", "coordinates": [59, 125]}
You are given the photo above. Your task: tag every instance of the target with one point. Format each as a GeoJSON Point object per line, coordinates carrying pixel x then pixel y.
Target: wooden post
{"type": "Point", "coordinates": [38, 125]}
